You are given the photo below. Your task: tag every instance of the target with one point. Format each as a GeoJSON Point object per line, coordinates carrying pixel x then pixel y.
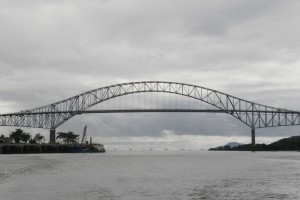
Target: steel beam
{"type": "Point", "coordinates": [52, 116]}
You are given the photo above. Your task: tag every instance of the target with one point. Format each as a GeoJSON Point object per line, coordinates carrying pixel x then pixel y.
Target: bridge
{"type": "Point", "coordinates": [252, 114]}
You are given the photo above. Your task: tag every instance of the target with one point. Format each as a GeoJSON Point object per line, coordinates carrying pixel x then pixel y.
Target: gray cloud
{"type": "Point", "coordinates": [51, 50]}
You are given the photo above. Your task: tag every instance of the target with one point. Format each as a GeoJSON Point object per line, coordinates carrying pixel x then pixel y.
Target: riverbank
{"type": "Point", "coordinates": [285, 144]}
{"type": "Point", "coordinates": [42, 148]}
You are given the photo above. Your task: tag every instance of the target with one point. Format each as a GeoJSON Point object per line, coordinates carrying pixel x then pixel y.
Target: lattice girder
{"type": "Point", "coordinates": [252, 114]}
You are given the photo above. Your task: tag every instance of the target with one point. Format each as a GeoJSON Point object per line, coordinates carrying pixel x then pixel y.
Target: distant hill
{"type": "Point", "coordinates": [233, 144]}
{"type": "Point", "coordinates": [285, 144]}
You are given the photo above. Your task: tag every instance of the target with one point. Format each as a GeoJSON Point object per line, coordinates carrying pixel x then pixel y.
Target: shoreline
{"type": "Point", "coordinates": [43, 148]}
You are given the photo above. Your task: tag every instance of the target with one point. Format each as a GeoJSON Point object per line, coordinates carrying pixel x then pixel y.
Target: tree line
{"type": "Point", "coordinates": [19, 136]}
{"type": "Point", "coordinates": [285, 144]}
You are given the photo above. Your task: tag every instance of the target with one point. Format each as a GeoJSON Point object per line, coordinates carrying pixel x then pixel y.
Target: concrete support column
{"type": "Point", "coordinates": [52, 136]}
{"type": "Point", "coordinates": [253, 139]}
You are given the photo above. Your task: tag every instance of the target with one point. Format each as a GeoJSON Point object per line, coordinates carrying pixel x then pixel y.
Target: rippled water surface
{"type": "Point", "coordinates": [141, 175]}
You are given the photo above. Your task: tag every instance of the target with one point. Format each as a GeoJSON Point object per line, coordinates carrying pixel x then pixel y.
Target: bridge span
{"type": "Point", "coordinates": [252, 114]}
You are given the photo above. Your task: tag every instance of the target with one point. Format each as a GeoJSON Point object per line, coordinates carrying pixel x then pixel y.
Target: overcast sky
{"type": "Point", "coordinates": [51, 50]}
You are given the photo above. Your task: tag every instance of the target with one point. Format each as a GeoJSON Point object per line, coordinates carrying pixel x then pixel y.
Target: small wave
{"type": "Point", "coordinates": [234, 189]}
{"type": "Point", "coordinates": [97, 193]}
{"type": "Point", "coordinates": [3, 177]}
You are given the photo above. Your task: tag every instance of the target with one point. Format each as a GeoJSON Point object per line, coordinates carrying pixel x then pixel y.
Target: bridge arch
{"type": "Point", "coordinates": [250, 113]}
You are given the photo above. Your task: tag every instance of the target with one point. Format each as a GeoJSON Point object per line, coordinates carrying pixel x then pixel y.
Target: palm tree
{"type": "Point", "coordinates": [68, 138]}
{"type": "Point", "coordinates": [38, 138]}
{"type": "Point", "coordinates": [62, 136]}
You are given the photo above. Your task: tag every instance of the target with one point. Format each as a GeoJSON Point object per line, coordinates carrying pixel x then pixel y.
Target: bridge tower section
{"type": "Point", "coordinates": [52, 136]}
{"type": "Point", "coordinates": [253, 139]}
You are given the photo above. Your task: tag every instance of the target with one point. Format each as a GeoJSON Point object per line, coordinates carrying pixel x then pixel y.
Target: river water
{"type": "Point", "coordinates": [130, 175]}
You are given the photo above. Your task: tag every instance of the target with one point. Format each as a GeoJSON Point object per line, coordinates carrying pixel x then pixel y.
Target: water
{"type": "Point", "coordinates": [130, 175]}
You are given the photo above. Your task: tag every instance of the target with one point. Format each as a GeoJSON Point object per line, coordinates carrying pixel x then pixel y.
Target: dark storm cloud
{"type": "Point", "coordinates": [51, 50]}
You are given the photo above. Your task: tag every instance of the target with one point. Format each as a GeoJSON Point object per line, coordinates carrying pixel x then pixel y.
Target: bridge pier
{"type": "Point", "coordinates": [52, 136]}
{"type": "Point", "coordinates": [253, 139]}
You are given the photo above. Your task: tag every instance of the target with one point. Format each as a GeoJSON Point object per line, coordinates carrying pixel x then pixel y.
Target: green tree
{"type": "Point", "coordinates": [25, 137]}
{"type": "Point", "coordinates": [4, 139]}
{"type": "Point", "coordinates": [32, 141]}
{"type": "Point", "coordinates": [68, 138]}
{"type": "Point", "coordinates": [19, 136]}
{"type": "Point", "coordinates": [16, 136]}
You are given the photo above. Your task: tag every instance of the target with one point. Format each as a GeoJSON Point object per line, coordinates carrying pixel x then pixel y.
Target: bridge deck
{"type": "Point", "coordinates": [150, 110]}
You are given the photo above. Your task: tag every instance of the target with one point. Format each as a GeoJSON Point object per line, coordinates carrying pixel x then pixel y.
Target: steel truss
{"type": "Point", "coordinates": [252, 114]}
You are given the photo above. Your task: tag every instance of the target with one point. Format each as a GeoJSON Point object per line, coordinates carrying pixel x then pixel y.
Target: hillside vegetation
{"type": "Point", "coordinates": [285, 144]}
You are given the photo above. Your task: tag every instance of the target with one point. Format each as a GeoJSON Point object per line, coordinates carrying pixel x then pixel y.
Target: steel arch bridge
{"type": "Point", "coordinates": [250, 113]}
